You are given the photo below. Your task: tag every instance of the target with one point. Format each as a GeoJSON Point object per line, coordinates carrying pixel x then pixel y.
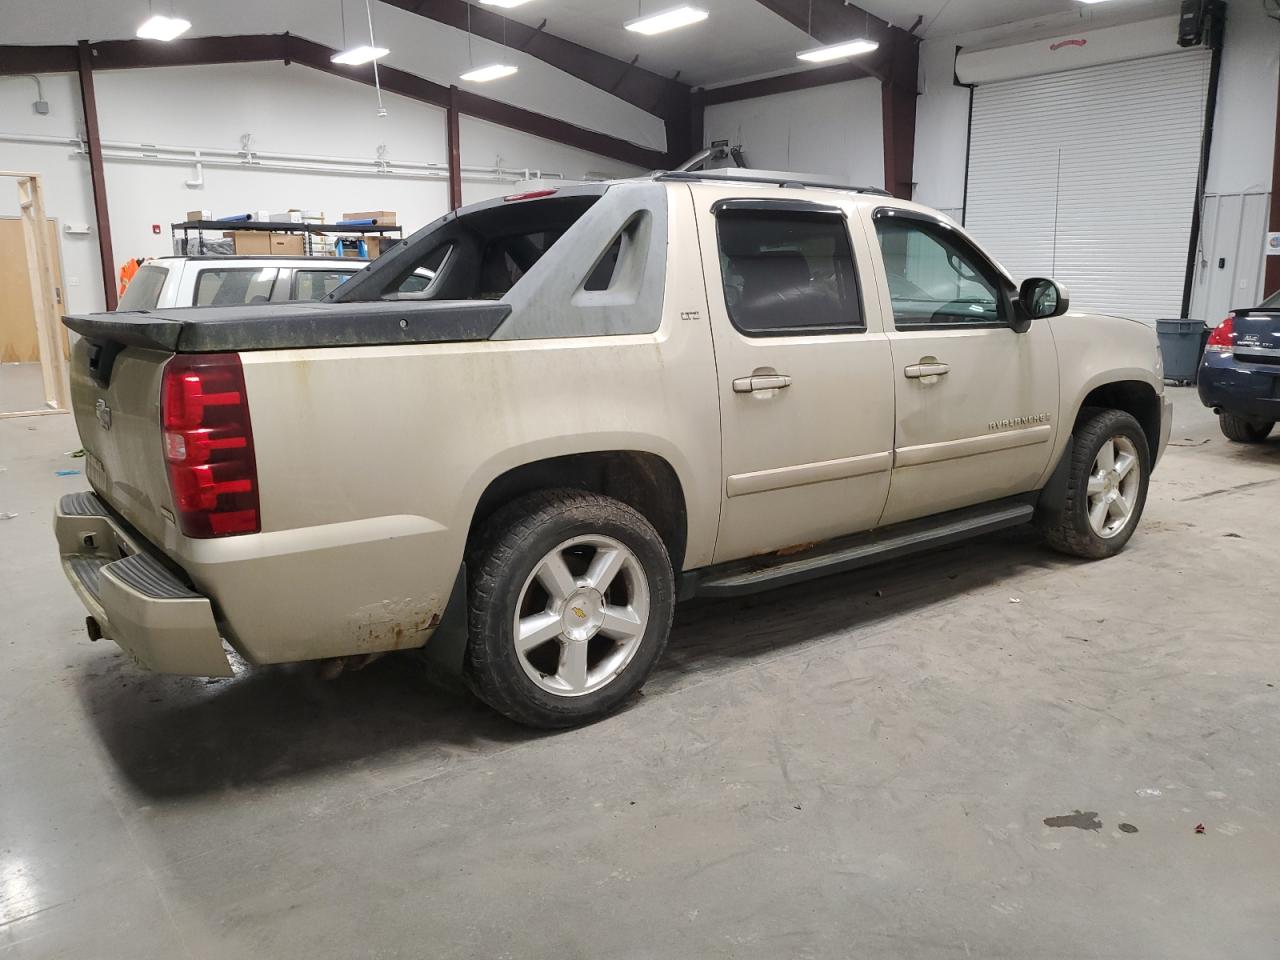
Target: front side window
{"type": "Point", "coordinates": [934, 278]}
{"type": "Point", "coordinates": [234, 286]}
{"type": "Point", "coordinates": [143, 291]}
{"type": "Point", "coordinates": [788, 272]}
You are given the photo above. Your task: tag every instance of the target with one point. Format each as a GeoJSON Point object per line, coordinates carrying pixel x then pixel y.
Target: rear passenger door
{"type": "Point", "coordinates": [806, 397]}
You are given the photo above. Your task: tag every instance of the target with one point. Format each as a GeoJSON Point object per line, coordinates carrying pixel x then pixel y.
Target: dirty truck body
{"type": "Point", "coordinates": [761, 381]}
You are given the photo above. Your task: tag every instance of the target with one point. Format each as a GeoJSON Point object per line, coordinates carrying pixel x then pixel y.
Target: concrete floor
{"type": "Point", "coordinates": [21, 387]}
{"type": "Point", "coordinates": [862, 767]}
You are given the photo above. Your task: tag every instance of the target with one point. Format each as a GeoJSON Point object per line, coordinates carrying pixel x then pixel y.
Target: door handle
{"type": "Point", "coordinates": [918, 371]}
{"type": "Point", "coordinates": [761, 383]}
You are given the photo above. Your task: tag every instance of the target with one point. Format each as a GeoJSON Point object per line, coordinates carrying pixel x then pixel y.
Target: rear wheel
{"type": "Point", "coordinates": [1106, 486]}
{"type": "Point", "coordinates": [1243, 429]}
{"type": "Point", "coordinates": [570, 606]}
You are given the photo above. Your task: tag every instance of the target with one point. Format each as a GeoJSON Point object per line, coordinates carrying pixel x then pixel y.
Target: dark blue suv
{"type": "Point", "coordinates": [1240, 372]}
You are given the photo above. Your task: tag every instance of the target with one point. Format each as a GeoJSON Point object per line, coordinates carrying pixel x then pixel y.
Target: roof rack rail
{"type": "Point", "coordinates": [774, 177]}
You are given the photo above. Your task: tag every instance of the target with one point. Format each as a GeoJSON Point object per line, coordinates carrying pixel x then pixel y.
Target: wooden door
{"type": "Point", "coordinates": [18, 343]}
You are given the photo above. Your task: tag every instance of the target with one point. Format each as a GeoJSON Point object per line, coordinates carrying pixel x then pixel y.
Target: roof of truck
{"type": "Point", "coordinates": [776, 178]}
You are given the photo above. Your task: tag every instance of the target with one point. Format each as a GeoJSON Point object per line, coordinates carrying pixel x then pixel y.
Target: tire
{"type": "Point", "coordinates": [601, 645]}
{"type": "Point", "coordinates": [1074, 529]}
{"type": "Point", "coordinates": [1242, 429]}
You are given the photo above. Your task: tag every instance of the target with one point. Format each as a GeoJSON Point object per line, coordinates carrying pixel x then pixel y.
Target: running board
{"type": "Point", "coordinates": [860, 550]}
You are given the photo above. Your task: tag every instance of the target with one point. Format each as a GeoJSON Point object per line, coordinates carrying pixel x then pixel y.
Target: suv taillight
{"type": "Point", "coordinates": [208, 445]}
{"type": "Point", "coordinates": [1222, 339]}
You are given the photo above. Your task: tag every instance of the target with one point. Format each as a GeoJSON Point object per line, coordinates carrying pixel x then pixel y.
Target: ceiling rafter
{"type": "Point", "coordinates": [638, 86]}
{"type": "Point", "coordinates": [198, 51]}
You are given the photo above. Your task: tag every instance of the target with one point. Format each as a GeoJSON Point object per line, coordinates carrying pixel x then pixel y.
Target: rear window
{"type": "Point", "coordinates": [234, 286]}
{"type": "Point", "coordinates": [317, 284]}
{"type": "Point", "coordinates": [1272, 302]}
{"type": "Point", "coordinates": [143, 291]}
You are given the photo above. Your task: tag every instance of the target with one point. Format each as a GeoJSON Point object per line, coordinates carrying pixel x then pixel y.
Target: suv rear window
{"type": "Point", "coordinates": [228, 286]}
{"type": "Point", "coordinates": [143, 291]}
{"type": "Point", "coordinates": [317, 284]}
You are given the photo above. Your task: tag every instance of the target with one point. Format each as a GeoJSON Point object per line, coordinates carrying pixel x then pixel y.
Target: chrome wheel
{"type": "Point", "coordinates": [581, 615]}
{"type": "Point", "coordinates": [1114, 484]}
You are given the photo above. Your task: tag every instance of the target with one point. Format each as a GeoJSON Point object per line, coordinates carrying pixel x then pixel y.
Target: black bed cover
{"type": "Point", "coordinates": [290, 325]}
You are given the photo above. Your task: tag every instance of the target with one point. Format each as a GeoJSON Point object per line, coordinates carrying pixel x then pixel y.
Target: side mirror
{"type": "Point", "coordinates": [1042, 299]}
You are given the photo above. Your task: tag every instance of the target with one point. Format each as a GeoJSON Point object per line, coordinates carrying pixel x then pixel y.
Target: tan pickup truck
{"type": "Point", "coordinates": [609, 397]}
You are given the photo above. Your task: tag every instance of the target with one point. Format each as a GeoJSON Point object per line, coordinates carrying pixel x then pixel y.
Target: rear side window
{"type": "Point", "coordinates": [143, 291]}
{"type": "Point", "coordinates": [317, 284]}
{"type": "Point", "coordinates": [788, 272]}
{"type": "Point", "coordinates": [223, 287]}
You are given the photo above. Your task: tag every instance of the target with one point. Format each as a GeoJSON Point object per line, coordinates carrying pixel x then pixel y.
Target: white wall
{"type": "Point", "coordinates": [68, 195]}
{"type": "Point", "coordinates": [1245, 123]}
{"type": "Point", "coordinates": [1244, 128]}
{"type": "Point", "coordinates": [286, 109]}
{"type": "Point", "coordinates": [834, 130]}
{"type": "Point", "coordinates": [421, 46]}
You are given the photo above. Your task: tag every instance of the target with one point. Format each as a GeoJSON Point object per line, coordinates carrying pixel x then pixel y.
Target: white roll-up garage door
{"type": "Point", "coordinates": [1089, 176]}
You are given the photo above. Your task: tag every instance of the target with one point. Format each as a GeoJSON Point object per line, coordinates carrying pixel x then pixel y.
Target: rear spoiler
{"type": "Point", "coordinates": [294, 325]}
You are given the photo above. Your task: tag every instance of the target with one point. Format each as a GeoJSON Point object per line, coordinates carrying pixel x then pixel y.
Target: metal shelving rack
{"type": "Point", "coordinates": [307, 230]}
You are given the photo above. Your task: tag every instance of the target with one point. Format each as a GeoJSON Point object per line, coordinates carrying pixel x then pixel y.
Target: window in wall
{"type": "Point", "coordinates": [317, 284]}
{"type": "Point", "coordinates": [143, 291]}
{"type": "Point", "coordinates": [788, 272]}
{"type": "Point", "coordinates": [934, 278]}
{"type": "Point", "coordinates": [220, 287]}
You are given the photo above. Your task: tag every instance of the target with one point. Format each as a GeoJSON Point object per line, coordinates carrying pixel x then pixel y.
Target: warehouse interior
{"type": "Point", "coordinates": [984, 750]}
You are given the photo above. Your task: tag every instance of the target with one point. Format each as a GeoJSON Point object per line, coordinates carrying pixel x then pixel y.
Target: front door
{"type": "Point", "coordinates": [976, 401]}
{"type": "Point", "coordinates": [806, 395]}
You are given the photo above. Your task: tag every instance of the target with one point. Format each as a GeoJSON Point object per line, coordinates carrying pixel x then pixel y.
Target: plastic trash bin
{"type": "Point", "coordinates": [1182, 344]}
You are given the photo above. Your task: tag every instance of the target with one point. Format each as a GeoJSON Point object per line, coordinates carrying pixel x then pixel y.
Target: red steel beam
{"type": "Point", "coordinates": [898, 116]}
{"type": "Point", "coordinates": [787, 82]}
{"type": "Point", "coordinates": [89, 101]}
{"type": "Point", "coordinates": [455, 150]}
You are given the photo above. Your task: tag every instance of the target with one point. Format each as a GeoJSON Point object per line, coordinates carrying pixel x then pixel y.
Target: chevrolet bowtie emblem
{"type": "Point", "coordinates": [579, 613]}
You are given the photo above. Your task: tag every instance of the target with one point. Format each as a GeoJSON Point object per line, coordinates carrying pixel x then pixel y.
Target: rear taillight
{"type": "Point", "coordinates": [208, 445]}
{"type": "Point", "coordinates": [1222, 339]}
{"type": "Point", "coordinates": [528, 195]}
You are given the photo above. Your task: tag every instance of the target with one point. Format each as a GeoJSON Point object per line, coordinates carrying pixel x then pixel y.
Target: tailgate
{"type": "Point", "coordinates": [115, 395]}
{"type": "Point", "coordinates": [1257, 336]}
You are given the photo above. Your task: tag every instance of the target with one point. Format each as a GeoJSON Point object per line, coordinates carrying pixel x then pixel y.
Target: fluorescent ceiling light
{"type": "Point", "coordinates": [504, 4]}
{"type": "Point", "coordinates": [495, 71]}
{"type": "Point", "coordinates": [837, 51]}
{"type": "Point", "coordinates": [666, 20]}
{"type": "Point", "coordinates": [358, 55]}
{"type": "Point", "coordinates": [163, 28]}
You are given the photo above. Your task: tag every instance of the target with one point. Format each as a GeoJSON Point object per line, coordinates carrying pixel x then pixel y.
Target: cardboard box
{"type": "Point", "coordinates": [251, 243]}
{"type": "Point", "coordinates": [199, 215]}
{"type": "Point", "coordinates": [289, 216]}
{"type": "Point", "coordinates": [385, 218]}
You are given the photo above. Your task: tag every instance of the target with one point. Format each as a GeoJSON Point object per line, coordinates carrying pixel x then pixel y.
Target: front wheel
{"type": "Point", "coordinates": [570, 606]}
{"type": "Point", "coordinates": [1106, 487]}
{"type": "Point", "coordinates": [1243, 429]}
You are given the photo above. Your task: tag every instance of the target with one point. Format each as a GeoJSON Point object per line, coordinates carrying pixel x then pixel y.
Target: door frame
{"type": "Point", "coordinates": [41, 266]}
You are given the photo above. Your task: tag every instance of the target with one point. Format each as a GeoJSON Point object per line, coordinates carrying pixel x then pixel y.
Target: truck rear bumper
{"type": "Point", "coordinates": [136, 601]}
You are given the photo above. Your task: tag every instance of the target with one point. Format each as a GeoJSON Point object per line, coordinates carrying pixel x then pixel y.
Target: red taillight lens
{"type": "Point", "coordinates": [1222, 338]}
{"type": "Point", "coordinates": [208, 445]}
